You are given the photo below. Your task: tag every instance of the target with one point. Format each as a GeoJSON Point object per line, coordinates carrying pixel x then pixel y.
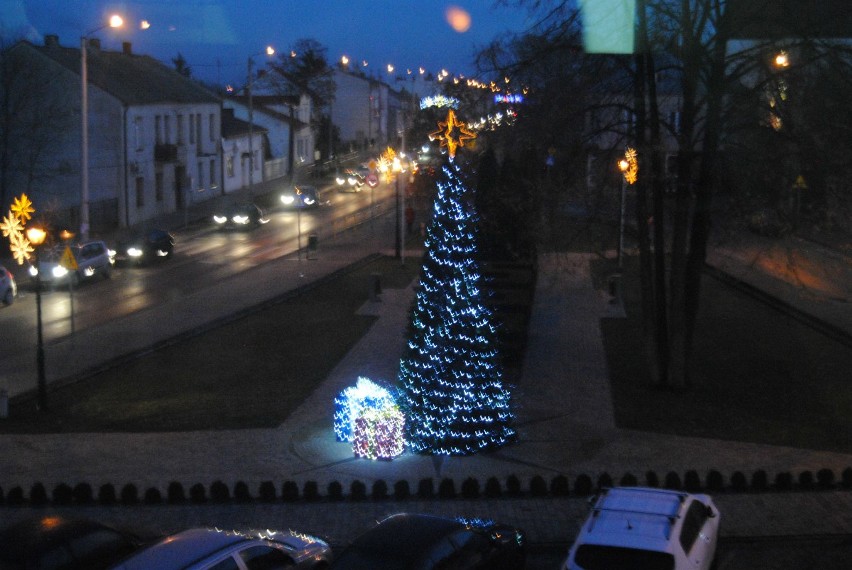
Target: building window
{"type": "Point", "coordinates": [180, 129]}
{"type": "Point", "coordinates": [137, 133]}
{"type": "Point", "coordinates": [211, 124]}
{"type": "Point", "coordinates": [200, 176]}
{"type": "Point", "coordinates": [212, 174]}
{"type": "Point", "coordinates": [198, 128]}
{"type": "Point", "coordinates": [158, 186]}
{"type": "Point", "coordinates": [158, 129]}
{"type": "Point", "coordinates": [229, 165]}
{"type": "Point", "coordinates": [140, 192]}
{"type": "Point", "coordinates": [167, 128]}
{"type": "Point", "coordinates": [192, 129]}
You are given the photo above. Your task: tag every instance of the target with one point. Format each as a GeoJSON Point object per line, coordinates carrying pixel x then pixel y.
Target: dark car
{"type": "Point", "coordinates": [301, 197]}
{"type": "Point", "coordinates": [151, 246]}
{"type": "Point", "coordinates": [424, 542]}
{"type": "Point", "coordinates": [53, 542]}
{"type": "Point", "coordinates": [240, 216]}
{"type": "Point", "coordinates": [8, 287]}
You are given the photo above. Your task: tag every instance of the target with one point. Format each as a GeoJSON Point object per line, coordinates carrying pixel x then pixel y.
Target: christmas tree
{"type": "Point", "coordinates": [450, 376]}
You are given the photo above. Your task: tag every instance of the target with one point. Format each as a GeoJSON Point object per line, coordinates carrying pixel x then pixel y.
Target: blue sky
{"type": "Point", "coordinates": [217, 36]}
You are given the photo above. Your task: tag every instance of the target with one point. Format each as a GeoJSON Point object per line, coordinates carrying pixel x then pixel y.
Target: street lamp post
{"type": "Point", "coordinates": [36, 236]}
{"type": "Point", "coordinates": [249, 81]}
{"type": "Point", "coordinates": [629, 167]}
{"type": "Point", "coordinates": [115, 21]}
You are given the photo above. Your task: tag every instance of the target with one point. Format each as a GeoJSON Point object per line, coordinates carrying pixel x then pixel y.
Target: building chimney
{"type": "Point", "coordinates": [126, 48]}
{"type": "Point", "coordinates": [51, 40]}
{"type": "Point", "coordinates": [95, 44]}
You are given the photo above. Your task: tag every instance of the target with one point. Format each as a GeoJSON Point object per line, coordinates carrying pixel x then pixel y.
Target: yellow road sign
{"type": "Point", "coordinates": [68, 260]}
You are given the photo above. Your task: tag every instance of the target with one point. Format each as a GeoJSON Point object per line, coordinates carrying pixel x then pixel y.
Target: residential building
{"type": "Point", "coordinates": [154, 135]}
{"type": "Point", "coordinates": [240, 171]}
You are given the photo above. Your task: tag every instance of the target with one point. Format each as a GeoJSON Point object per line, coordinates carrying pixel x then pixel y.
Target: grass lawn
{"type": "Point", "coordinates": [757, 376]}
{"type": "Point", "coordinates": [250, 373]}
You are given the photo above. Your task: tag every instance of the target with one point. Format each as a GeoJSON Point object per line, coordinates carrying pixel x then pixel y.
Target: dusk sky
{"type": "Point", "coordinates": [217, 36]}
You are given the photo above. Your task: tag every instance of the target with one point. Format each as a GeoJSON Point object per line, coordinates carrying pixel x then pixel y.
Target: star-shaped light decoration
{"type": "Point", "coordinates": [23, 208]}
{"type": "Point", "coordinates": [21, 247]}
{"type": "Point", "coordinates": [452, 133]}
{"type": "Point", "coordinates": [11, 225]}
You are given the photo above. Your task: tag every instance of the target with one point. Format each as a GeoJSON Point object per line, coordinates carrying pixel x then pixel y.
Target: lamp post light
{"type": "Point", "coordinates": [250, 76]}
{"type": "Point", "coordinates": [36, 236]}
{"type": "Point", "coordinates": [115, 21]}
{"type": "Point", "coordinates": [629, 167]}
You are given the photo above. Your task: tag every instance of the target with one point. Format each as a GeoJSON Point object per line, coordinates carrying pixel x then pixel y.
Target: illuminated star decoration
{"type": "Point", "coordinates": [12, 227]}
{"type": "Point", "coordinates": [452, 133]}
{"type": "Point", "coordinates": [630, 165]}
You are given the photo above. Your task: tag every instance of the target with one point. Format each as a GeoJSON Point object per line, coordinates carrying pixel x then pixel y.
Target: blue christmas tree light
{"type": "Point", "coordinates": [450, 378]}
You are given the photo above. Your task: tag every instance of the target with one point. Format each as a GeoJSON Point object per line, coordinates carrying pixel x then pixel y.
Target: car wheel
{"type": "Point", "coordinates": [8, 298]}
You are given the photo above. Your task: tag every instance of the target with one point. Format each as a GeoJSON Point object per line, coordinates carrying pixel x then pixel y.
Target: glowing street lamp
{"type": "Point", "coordinates": [115, 21]}
{"type": "Point", "coordinates": [629, 167]}
{"type": "Point", "coordinates": [36, 236]}
{"type": "Point", "coordinates": [269, 51]}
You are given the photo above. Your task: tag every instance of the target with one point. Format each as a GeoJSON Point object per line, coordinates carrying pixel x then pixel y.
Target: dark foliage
{"type": "Point", "coordinates": [289, 492]}
{"type": "Point", "coordinates": [538, 486]}
{"type": "Point", "coordinates": [401, 490]}
{"type": "Point", "coordinates": [559, 486]}
{"type": "Point", "coordinates": [493, 488]}
{"type": "Point", "coordinates": [219, 492]}
{"type": "Point", "coordinates": [806, 480]}
{"type": "Point", "coordinates": [83, 494]}
{"type": "Point", "coordinates": [628, 480]}
{"type": "Point", "coordinates": [311, 491]}
{"type": "Point", "coordinates": [825, 479]}
{"type": "Point", "coordinates": [106, 494]}
{"type": "Point", "coordinates": [426, 488]}
{"type": "Point", "coordinates": [153, 496]}
{"type": "Point", "coordinates": [715, 481]}
{"type": "Point", "coordinates": [266, 492]}
{"type": "Point", "coordinates": [470, 488]}
{"type": "Point", "coordinates": [604, 481]}
{"type": "Point", "coordinates": [241, 492]}
{"type": "Point", "coordinates": [335, 491]}
{"type": "Point", "coordinates": [198, 494]}
{"type": "Point", "coordinates": [583, 485]}
{"type": "Point", "coordinates": [759, 480]}
{"type": "Point", "coordinates": [38, 495]}
{"type": "Point", "coordinates": [380, 490]}
{"type": "Point", "coordinates": [691, 481]}
{"type": "Point", "coordinates": [673, 481]}
{"type": "Point", "coordinates": [651, 479]}
{"type": "Point", "coordinates": [783, 481]}
{"type": "Point", "coordinates": [175, 494]}
{"type": "Point", "coordinates": [357, 491]}
{"type": "Point", "coordinates": [739, 483]}
{"type": "Point", "coordinates": [62, 494]}
{"type": "Point", "coordinates": [513, 486]}
{"type": "Point", "coordinates": [129, 494]}
{"type": "Point", "coordinates": [447, 489]}
{"type": "Point", "coordinates": [15, 497]}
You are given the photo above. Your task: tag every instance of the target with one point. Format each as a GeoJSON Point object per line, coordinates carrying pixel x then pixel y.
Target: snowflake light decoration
{"type": "Point", "coordinates": [22, 208]}
{"type": "Point", "coordinates": [12, 227]}
{"type": "Point", "coordinates": [21, 247]}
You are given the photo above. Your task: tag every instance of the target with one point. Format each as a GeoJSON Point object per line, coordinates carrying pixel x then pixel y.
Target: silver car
{"type": "Point", "coordinates": [8, 287]}
{"type": "Point", "coordinates": [86, 260]}
{"type": "Point", "coordinates": [208, 549]}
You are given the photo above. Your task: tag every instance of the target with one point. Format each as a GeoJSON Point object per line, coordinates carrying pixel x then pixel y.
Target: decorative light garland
{"type": "Point", "coordinates": [351, 403]}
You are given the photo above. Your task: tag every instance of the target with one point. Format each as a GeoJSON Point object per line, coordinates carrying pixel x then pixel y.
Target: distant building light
{"type": "Point", "coordinates": [507, 98]}
{"type": "Point", "coordinates": [439, 101]}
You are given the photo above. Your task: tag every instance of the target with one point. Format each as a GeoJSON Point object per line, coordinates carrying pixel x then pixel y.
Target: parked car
{"type": "Point", "coordinates": [301, 197]}
{"type": "Point", "coordinates": [53, 543]}
{"type": "Point", "coordinates": [91, 259]}
{"type": "Point", "coordinates": [245, 215]}
{"type": "Point", "coordinates": [640, 527]}
{"type": "Point", "coordinates": [424, 542]}
{"type": "Point", "coordinates": [350, 181]}
{"type": "Point", "coordinates": [150, 246]}
{"type": "Point", "coordinates": [203, 548]}
{"type": "Point", "coordinates": [8, 287]}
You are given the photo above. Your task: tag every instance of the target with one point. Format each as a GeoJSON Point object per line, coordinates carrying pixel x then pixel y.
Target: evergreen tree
{"type": "Point", "coordinates": [450, 377]}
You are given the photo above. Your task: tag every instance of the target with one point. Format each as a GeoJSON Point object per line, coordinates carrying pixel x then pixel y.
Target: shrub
{"type": "Point", "coordinates": [241, 492]}
{"type": "Point", "coordinates": [583, 485]}
{"type": "Point", "coordinates": [673, 481]}
{"type": "Point", "coordinates": [129, 494]}
{"type": "Point", "coordinates": [447, 489]}
{"type": "Point", "coordinates": [513, 486]}
{"type": "Point", "coordinates": [759, 480]}
{"type": "Point", "coordinates": [266, 492]}
{"type": "Point", "coordinates": [825, 479]}
{"type": "Point", "coordinates": [739, 482]}
{"type": "Point", "coordinates": [691, 481]}
{"type": "Point", "coordinates": [380, 490]}
{"type": "Point", "coordinates": [15, 497]}
{"type": "Point", "coordinates": [559, 486]}
{"type": "Point", "coordinates": [715, 481]}
{"type": "Point", "coordinates": [38, 495]}
{"type": "Point", "coordinates": [470, 488]}
{"type": "Point", "coordinates": [62, 494]}
{"type": "Point", "coordinates": [538, 487]}
{"type": "Point", "coordinates": [175, 494]}
{"type": "Point", "coordinates": [401, 490]}
{"type": "Point", "coordinates": [604, 481]}
{"type": "Point", "coordinates": [289, 492]}
{"type": "Point", "coordinates": [335, 491]}
{"type": "Point", "coordinates": [198, 494]}
{"type": "Point", "coordinates": [651, 479]}
{"type": "Point", "coordinates": [153, 496]}
{"type": "Point", "coordinates": [845, 478]}
{"type": "Point", "coordinates": [783, 481]}
{"type": "Point", "coordinates": [628, 480]}
{"type": "Point", "coordinates": [106, 494]}
{"type": "Point", "coordinates": [806, 480]}
{"type": "Point", "coordinates": [357, 491]}
{"type": "Point", "coordinates": [426, 488]}
{"type": "Point", "coordinates": [311, 491]}
{"type": "Point", "coordinates": [219, 492]}
{"type": "Point", "coordinates": [493, 489]}
{"type": "Point", "coordinates": [83, 494]}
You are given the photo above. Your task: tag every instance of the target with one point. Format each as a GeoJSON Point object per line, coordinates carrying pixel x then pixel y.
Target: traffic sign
{"type": "Point", "coordinates": [68, 260]}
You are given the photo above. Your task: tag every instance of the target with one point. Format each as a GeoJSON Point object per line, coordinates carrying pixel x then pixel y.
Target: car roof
{"type": "Point", "coordinates": [182, 549]}
{"type": "Point", "coordinates": [634, 517]}
{"type": "Point", "coordinates": [397, 540]}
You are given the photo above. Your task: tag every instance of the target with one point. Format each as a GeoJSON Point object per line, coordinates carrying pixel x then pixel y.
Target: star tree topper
{"type": "Point", "coordinates": [452, 133]}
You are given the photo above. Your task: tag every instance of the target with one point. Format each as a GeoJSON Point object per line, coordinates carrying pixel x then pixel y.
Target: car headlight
{"type": "Point", "coordinates": [59, 272]}
{"type": "Point", "coordinates": [288, 199]}
{"type": "Point", "coordinates": [240, 219]}
{"type": "Point", "coordinates": [309, 201]}
{"type": "Point", "coordinates": [134, 252]}
{"type": "Point", "coordinates": [33, 270]}
{"type": "Point", "coordinates": [339, 181]}
{"type": "Point", "coordinates": [219, 219]}
{"type": "Point", "coordinates": [351, 180]}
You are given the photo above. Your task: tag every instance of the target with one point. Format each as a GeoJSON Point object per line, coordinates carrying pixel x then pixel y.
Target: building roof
{"type": "Point", "coordinates": [131, 78]}
{"type": "Point", "coordinates": [234, 127]}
